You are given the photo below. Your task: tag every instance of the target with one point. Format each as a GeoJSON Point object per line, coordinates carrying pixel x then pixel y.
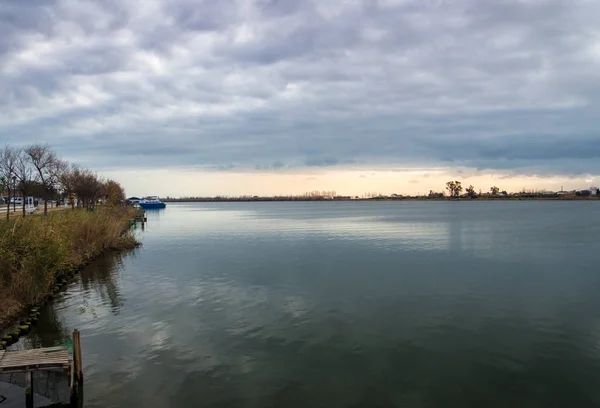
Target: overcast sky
{"type": "Point", "coordinates": [262, 96]}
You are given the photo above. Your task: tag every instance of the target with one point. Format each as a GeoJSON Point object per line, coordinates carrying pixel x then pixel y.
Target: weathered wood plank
{"type": "Point", "coordinates": [22, 369]}
{"type": "Point", "coordinates": [18, 356]}
{"type": "Point", "coordinates": [36, 367]}
{"type": "Point", "coordinates": [10, 360]}
{"type": "Point", "coordinates": [57, 357]}
{"type": "Point", "coordinates": [45, 359]}
{"type": "Point", "coordinates": [13, 355]}
{"type": "Point", "coordinates": [34, 362]}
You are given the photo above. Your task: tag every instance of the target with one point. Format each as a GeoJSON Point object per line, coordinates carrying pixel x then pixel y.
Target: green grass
{"type": "Point", "coordinates": [35, 251]}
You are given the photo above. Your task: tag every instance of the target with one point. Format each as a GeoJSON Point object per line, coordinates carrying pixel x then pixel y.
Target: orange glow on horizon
{"type": "Point", "coordinates": [186, 183]}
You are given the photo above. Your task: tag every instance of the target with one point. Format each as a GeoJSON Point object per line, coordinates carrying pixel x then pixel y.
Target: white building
{"type": "Point", "coordinates": [594, 191]}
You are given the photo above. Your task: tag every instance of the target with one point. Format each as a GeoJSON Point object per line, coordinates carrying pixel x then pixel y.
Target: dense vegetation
{"type": "Point", "coordinates": [35, 251]}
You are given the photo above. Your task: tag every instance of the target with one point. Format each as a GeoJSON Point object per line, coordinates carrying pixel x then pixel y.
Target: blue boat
{"type": "Point", "coordinates": [151, 202]}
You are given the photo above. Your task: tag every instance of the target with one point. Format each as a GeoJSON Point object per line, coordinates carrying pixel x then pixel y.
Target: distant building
{"type": "Point", "coordinates": [134, 200]}
{"type": "Point", "coordinates": [594, 191]}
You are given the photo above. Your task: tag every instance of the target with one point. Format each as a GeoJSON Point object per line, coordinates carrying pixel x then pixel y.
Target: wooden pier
{"type": "Point", "coordinates": [45, 359]}
{"type": "Point", "coordinates": [140, 216]}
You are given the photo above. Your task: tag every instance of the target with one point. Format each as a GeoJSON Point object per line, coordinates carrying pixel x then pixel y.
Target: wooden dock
{"type": "Point", "coordinates": [45, 359]}
{"type": "Point", "coordinates": [52, 358]}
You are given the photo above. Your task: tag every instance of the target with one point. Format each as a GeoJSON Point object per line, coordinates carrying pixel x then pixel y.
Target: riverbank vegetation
{"type": "Point", "coordinates": [37, 251]}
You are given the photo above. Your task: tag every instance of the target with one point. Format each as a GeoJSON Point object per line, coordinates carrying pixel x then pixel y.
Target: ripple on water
{"type": "Point", "coordinates": [343, 305]}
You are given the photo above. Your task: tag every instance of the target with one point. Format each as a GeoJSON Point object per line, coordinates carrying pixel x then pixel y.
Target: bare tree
{"type": "Point", "coordinates": [37, 170]}
{"type": "Point", "coordinates": [58, 168]}
{"type": "Point", "coordinates": [471, 191]}
{"type": "Point", "coordinates": [87, 186]}
{"type": "Point", "coordinates": [9, 158]}
{"type": "Point", "coordinates": [66, 183]}
{"type": "Point", "coordinates": [454, 188]}
{"type": "Point", "coordinates": [450, 187]}
{"type": "Point", "coordinates": [26, 175]}
{"type": "Point", "coordinates": [48, 167]}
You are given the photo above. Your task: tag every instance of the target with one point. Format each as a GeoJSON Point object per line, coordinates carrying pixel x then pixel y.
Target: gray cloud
{"type": "Point", "coordinates": [268, 84]}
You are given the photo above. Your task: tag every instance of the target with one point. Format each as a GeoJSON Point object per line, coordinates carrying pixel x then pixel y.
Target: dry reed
{"type": "Point", "coordinates": [36, 250]}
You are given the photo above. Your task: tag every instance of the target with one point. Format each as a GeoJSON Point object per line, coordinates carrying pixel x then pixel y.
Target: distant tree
{"type": "Point", "coordinates": [583, 193]}
{"type": "Point", "coordinates": [458, 188]}
{"type": "Point", "coordinates": [434, 194]}
{"type": "Point", "coordinates": [9, 159]}
{"type": "Point", "coordinates": [27, 177]}
{"type": "Point", "coordinates": [87, 187]}
{"type": "Point", "coordinates": [7, 164]}
{"type": "Point", "coordinates": [494, 190]}
{"type": "Point", "coordinates": [66, 184]}
{"type": "Point", "coordinates": [471, 191]}
{"type": "Point", "coordinates": [504, 193]}
{"type": "Point", "coordinates": [454, 188]}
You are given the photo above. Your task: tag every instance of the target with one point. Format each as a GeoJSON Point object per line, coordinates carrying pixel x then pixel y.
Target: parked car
{"type": "Point", "coordinates": [16, 200]}
{"type": "Point", "coordinates": [2, 201]}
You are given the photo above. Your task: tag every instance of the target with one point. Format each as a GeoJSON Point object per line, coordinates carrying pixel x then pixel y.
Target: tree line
{"type": "Point", "coordinates": [37, 170]}
{"type": "Point", "coordinates": [308, 196]}
{"type": "Point", "coordinates": [455, 189]}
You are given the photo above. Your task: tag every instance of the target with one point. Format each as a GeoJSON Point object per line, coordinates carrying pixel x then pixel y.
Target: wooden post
{"type": "Point", "coordinates": [77, 358]}
{"type": "Point", "coordinates": [75, 367]}
{"type": "Point", "coordinates": [72, 379]}
{"type": "Point", "coordinates": [29, 389]}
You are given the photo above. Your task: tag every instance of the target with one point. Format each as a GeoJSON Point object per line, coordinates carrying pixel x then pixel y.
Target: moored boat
{"type": "Point", "coordinates": [151, 202]}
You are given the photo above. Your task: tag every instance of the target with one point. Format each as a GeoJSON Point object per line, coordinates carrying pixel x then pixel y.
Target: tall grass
{"type": "Point", "coordinates": [36, 250]}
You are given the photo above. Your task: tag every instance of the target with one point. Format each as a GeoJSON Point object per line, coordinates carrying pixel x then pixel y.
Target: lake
{"type": "Point", "coordinates": [343, 304]}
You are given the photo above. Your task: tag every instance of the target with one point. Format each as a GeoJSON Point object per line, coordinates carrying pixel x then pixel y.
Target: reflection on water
{"type": "Point", "coordinates": [102, 276]}
{"type": "Point", "coordinates": [343, 305]}
{"type": "Point", "coordinates": [96, 281]}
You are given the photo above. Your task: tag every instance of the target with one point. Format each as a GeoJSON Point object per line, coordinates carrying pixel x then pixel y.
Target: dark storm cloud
{"type": "Point", "coordinates": [274, 84]}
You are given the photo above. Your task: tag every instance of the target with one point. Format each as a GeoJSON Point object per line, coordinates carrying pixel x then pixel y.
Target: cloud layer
{"type": "Point", "coordinates": [271, 84]}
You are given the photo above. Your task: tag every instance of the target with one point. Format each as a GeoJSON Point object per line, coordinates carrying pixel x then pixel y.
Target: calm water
{"type": "Point", "coordinates": [454, 304]}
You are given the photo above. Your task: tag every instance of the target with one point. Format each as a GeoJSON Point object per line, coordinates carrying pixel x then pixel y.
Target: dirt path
{"type": "Point", "coordinates": [39, 210]}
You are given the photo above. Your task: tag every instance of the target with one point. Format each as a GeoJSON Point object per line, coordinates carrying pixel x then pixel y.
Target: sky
{"type": "Point", "coordinates": [230, 97]}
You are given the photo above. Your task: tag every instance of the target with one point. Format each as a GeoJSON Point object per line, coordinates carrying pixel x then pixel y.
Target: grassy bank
{"type": "Point", "coordinates": [35, 251]}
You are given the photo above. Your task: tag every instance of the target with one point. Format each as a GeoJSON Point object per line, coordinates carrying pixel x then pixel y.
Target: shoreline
{"type": "Point", "coordinates": [448, 199]}
{"type": "Point", "coordinates": [25, 313]}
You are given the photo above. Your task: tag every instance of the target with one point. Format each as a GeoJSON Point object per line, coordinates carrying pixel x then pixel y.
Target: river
{"type": "Point", "coordinates": [343, 304]}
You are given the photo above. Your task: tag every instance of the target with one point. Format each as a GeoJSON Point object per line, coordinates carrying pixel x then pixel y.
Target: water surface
{"type": "Point", "coordinates": [344, 304]}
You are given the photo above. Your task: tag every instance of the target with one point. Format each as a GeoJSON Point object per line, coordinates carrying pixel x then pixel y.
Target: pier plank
{"type": "Point", "coordinates": [45, 359]}
{"type": "Point", "coordinates": [36, 359]}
